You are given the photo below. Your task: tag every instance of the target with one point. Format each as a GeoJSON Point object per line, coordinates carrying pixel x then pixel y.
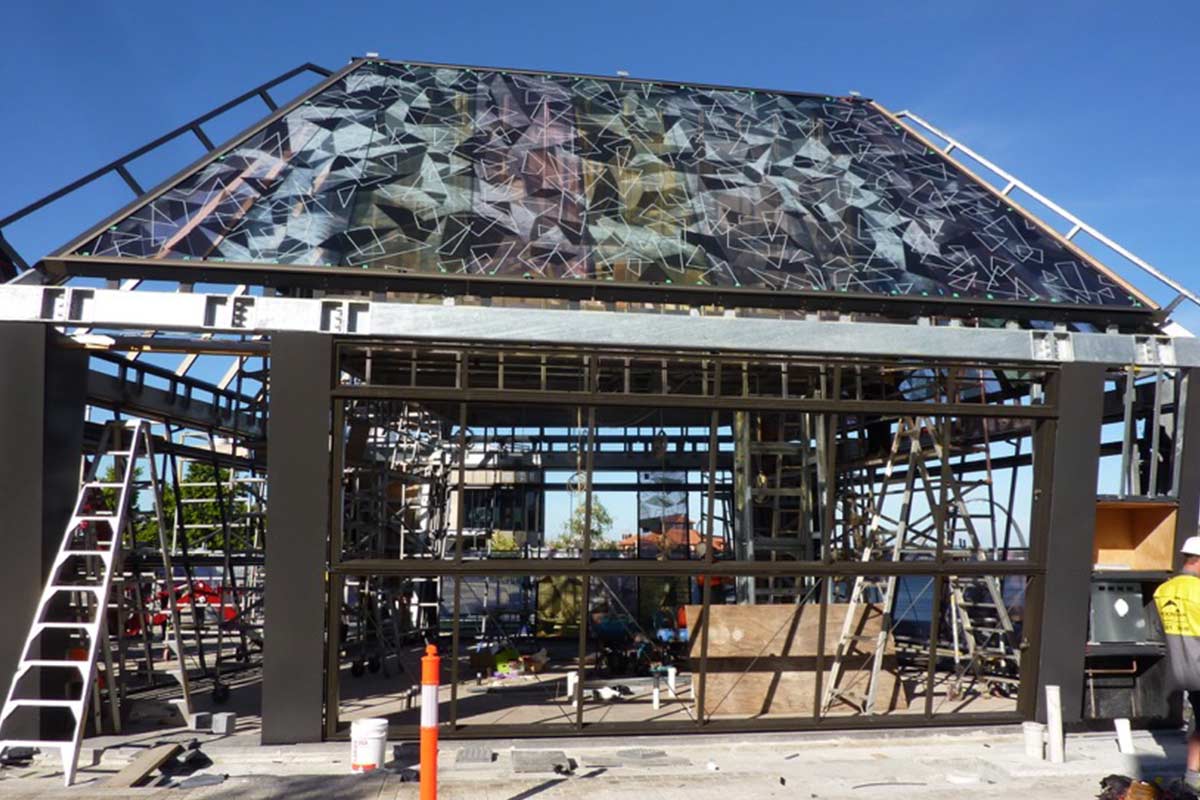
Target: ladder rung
{"type": "Point", "coordinates": [39, 703]}
{"type": "Point", "coordinates": [67, 587]}
{"type": "Point", "coordinates": [38, 743]}
{"type": "Point", "coordinates": [66, 625]}
{"type": "Point", "coordinates": [54, 662]}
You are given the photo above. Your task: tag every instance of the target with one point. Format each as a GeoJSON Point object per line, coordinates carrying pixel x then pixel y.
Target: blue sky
{"type": "Point", "coordinates": [1097, 105]}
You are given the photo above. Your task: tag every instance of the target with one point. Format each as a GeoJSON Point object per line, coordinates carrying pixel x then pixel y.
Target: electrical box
{"type": "Point", "coordinates": [1118, 613]}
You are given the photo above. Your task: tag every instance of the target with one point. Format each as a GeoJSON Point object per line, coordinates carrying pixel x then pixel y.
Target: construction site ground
{"type": "Point", "coordinates": [946, 763]}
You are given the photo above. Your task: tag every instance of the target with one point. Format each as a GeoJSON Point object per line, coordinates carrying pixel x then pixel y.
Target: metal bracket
{"type": "Point", "coordinates": [1052, 346]}
{"type": "Point", "coordinates": [344, 316]}
{"type": "Point", "coordinates": [66, 304]}
{"type": "Point", "coordinates": [1154, 350]}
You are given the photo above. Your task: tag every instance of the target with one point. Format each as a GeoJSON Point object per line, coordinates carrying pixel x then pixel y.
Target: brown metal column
{"type": "Point", "coordinates": [1187, 454]}
{"type": "Point", "coordinates": [41, 437]}
{"type": "Point", "coordinates": [298, 488]}
{"type": "Point", "coordinates": [1064, 532]}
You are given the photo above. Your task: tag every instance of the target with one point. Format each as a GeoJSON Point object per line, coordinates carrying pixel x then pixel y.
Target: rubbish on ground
{"type": "Point", "coordinates": [610, 693]}
{"type": "Point", "coordinates": [1122, 787]}
{"type": "Point", "coordinates": [17, 756]}
{"type": "Point", "coordinates": [201, 721]}
{"type": "Point", "coordinates": [712, 766]}
{"type": "Point", "coordinates": [196, 781]}
{"type": "Point", "coordinates": [505, 658]}
{"type": "Point", "coordinates": [138, 770]}
{"type": "Point", "coordinates": [191, 761]}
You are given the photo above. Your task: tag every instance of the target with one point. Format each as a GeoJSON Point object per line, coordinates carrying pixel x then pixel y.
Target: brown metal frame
{"type": "Point", "coordinates": [1042, 417]}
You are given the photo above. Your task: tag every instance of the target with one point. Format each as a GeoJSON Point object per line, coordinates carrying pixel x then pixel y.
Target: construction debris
{"type": "Point", "coordinates": [138, 770]}
{"type": "Point", "coordinates": [17, 756]}
{"type": "Point", "coordinates": [197, 781]}
{"type": "Point", "coordinates": [1122, 787]}
{"type": "Point", "coordinates": [224, 723]}
{"type": "Point", "coordinates": [524, 761]}
{"type": "Point", "coordinates": [190, 762]}
{"type": "Point", "coordinates": [474, 754]}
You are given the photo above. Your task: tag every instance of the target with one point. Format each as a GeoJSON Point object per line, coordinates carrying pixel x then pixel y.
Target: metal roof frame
{"type": "Point", "coordinates": [62, 264]}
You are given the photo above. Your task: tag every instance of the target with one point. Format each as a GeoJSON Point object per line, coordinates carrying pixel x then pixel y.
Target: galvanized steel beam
{"type": "Point", "coordinates": [114, 309]}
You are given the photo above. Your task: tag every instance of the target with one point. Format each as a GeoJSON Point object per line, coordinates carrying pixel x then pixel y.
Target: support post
{"type": "Point", "coordinates": [1187, 521]}
{"type": "Point", "coordinates": [299, 486]}
{"type": "Point", "coordinates": [1064, 525]}
{"type": "Point", "coordinates": [42, 401]}
{"type": "Point", "coordinates": [431, 674]}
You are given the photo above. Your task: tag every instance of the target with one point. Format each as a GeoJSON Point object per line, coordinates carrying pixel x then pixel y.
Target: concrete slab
{"type": "Point", "coordinates": [982, 764]}
{"type": "Point", "coordinates": [474, 755]}
{"type": "Point", "coordinates": [525, 761]}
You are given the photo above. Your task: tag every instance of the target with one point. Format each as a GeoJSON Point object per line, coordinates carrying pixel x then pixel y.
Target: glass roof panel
{"type": "Point", "coordinates": [427, 169]}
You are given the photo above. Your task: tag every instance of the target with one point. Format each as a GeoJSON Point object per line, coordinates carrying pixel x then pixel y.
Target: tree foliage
{"type": "Point", "coordinates": [571, 537]}
{"type": "Point", "coordinates": [198, 503]}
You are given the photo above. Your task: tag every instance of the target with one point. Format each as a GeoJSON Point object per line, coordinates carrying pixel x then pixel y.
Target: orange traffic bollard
{"type": "Point", "coordinates": [430, 671]}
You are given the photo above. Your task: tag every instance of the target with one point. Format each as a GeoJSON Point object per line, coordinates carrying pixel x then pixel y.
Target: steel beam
{"type": "Point", "coordinates": [150, 402]}
{"type": "Point", "coordinates": [378, 279]}
{"type": "Point", "coordinates": [691, 568]}
{"type": "Point", "coordinates": [703, 402]}
{"type": "Point", "coordinates": [114, 309]}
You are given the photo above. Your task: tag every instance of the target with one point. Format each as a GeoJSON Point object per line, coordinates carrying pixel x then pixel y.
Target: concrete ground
{"type": "Point", "coordinates": [976, 763]}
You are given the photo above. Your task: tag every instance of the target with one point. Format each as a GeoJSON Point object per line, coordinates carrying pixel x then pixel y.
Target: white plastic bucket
{"type": "Point", "coordinates": [368, 742]}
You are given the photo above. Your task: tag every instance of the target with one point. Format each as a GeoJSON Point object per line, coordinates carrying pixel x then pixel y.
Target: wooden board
{"type": "Point", "coordinates": [144, 763]}
{"type": "Point", "coordinates": [762, 659]}
{"type": "Point", "coordinates": [1134, 535]}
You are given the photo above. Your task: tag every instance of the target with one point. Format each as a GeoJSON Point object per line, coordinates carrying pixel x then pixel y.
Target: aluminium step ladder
{"type": "Point", "coordinates": [885, 589]}
{"type": "Point", "coordinates": [977, 604]}
{"type": "Point", "coordinates": [69, 630]}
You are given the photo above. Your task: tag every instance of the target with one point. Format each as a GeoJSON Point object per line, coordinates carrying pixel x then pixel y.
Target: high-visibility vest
{"type": "Point", "coordinates": [1178, 605]}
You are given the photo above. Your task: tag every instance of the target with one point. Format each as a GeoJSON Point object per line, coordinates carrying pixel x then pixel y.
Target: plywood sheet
{"type": "Point", "coordinates": [1134, 535]}
{"type": "Point", "coordinates": [762, 659]}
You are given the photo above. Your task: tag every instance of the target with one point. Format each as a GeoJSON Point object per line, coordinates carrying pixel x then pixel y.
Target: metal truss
{"type": "Point", "coordinates": [11, 263]}
{"type": "Point", "coordinates": [1012, 183]}
{"type": "Point", "coordinates": [814, 335]}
